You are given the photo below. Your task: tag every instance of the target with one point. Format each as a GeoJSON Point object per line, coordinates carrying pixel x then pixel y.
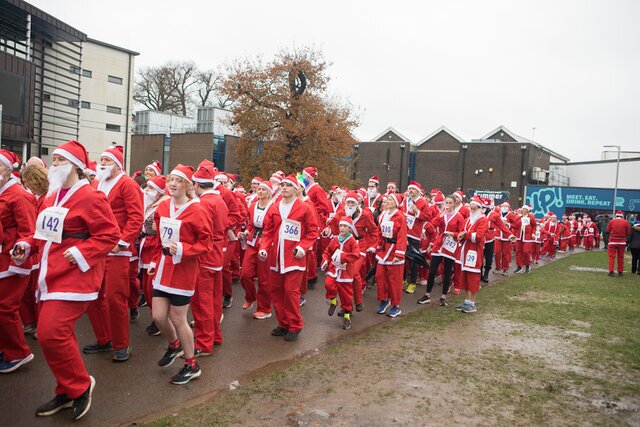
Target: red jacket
{"type": "Point", "coordinates": [591, 229]}
{"type": "Point", "coordinates": [235, 217]}
{"type": "Point", "coordinates": [551, 230]}
{"type": "Point", "coordinates": [496, 224]}
{"type": "Point", "coordinates": [392, 242]}
{"type": "Point", "coordinates": [255, 224]}
{"type": "Point", "coordinates": [321, 202]}
{"type": "Point", "coordinates": [216, 212]}
{"type": "Point", "coordinates": [18, 218]}
{"type": "Point", "coordinates": [149, 243]}
{"type": "Point", "coordinates": [618, 229]}
{"type": "Point", "coordinates": [447, 246]}
{"type": "Point", "coordinates": [90, 232]}
{"type": "Point", "coordinates": [525, 227]}
{"type": "Point", "coordinates": [283, 233]}
{"type": "Point", "coordinates": [177, 274]}
{"type": "Point", "coordinates": [371, 203]}
{"type": "Point", "coordinates": [367, 232]}
{"type": "Point", "coordinates": [472, 249]}
{"type": "Point", "coordinates": [344, 254]}
{"type": "Point", "coordinates": [127, 205]}
{"type": "Point", "coordinates": [415, 221]}
{"type": "Point", "coordinates": [463, 210]}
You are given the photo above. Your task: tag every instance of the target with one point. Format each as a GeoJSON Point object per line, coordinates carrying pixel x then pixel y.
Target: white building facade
{"type": "Point", "coordinates": [600, 173]}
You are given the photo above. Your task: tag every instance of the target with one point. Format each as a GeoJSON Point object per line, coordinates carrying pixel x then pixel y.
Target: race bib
{"type": "Point", "coordinates": [50, 224]}
{"type": "Point", "coordinates": [525, 221]}
{"type": "Point", "coordinates": [591, 230]}
{"type": "Point", "coordinates": [169, 231]}
{"type": "Point", "coordinates": [449, 244]}
{"type": "Point", "coordinates": [332, 214]}
{"type": "Point", "coordinates": [387, 229]}
{"type": "Point", "coordinates": [290, 230]}
{"type": "Point", "coordinates": [537, 234]}
{"type": "Point", "coordinates": [471, 259]}
{"type": "Point", "coordinates": [258, 218]}
{"type": "Point", "coordinates": [410, 221]}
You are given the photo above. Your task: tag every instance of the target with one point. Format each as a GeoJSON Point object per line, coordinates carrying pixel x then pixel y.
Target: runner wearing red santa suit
{"type": "Point", "coordinates": [579, 232]}
{"type": "Point", "coordinates": [497, 230]}
{"type": "Point", "coordinates": [149, 241]}
{"type": "Point", "coordinates": [255, 183]}
{"type": "Point", "coordinates": [392, 245]}
{"type": "Point", "coordinates": [589, 230]}
{"type": "Point", "coordinates": [79, 230]}
{"type": "Point", "coordinates": [206, 304]}
{"type": "Point", "coordinates": [565, 234]}
{"type": "Point", "coordinates": [152, 170]}
{"type": "Point", "coordinates": [392, 187]}
{"type": "Point", "coordinates": [523, 230]}
{"type": "Point", "coordinates": [445, 249]}
{"type": "Point", "coordinates": [290, 230]}
{"type": "Point", "coordinates": [417, 213]}
{"type": "Point", "coordinates": [366, 234]}
{"type": "Point", "coordinates": [374, 198]}
{"type": "Point", "coordinates": [323, 206]}
{"type": "Point", "coordinates": [109, 314]}
{"type": "Point", "coordinates": [429, 235]}
{"type": "Point", "coordinates": [90, 171]}
{"type": "Point", "coordinates": [18, 216]}
{"type": "Point", "coordinates": [311, 273]}
{"type": "Point", "coordinates": [463, 210]}
{"type": "Point", "coordinates": [471, 253]}
{"type": "Point", "coordinates": [184, 229]}
{"type": "Point", "coordinates": [618, 229]}
{"type": "Point", "coordinates": [134, 270]}
{"type": "Point", "coordinates": [537, 243]}
{"type": "Point", "coordinates": [236, 258]}
{"type": "Point", "coordinates": [503, 250]}
{"type": "Point", "coordinates": [551, 235]}
{"type": "Point", "coordinates": [573, 228]}
{"type": "Point", "coordinates": [235, 219]}
{"type": "Point", "coordinates": [252, 266]}
{"type": "Point", "coordinates": [338, 261]}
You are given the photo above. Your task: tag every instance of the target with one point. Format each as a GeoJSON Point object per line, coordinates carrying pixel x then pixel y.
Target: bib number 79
{"type": "Point", "coordinates": [167, 233]}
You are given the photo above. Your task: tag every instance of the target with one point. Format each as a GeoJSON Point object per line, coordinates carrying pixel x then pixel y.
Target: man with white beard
{"type": "Point", "coordinates": [109, 314]}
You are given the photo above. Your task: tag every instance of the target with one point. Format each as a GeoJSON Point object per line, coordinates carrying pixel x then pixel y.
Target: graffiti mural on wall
{"type": "Point", "coordinates": [545, 199]}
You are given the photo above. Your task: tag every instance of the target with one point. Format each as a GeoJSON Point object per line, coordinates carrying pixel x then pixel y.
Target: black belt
{"type": "Point", "coordinates": [166, 251]}
{"type": "Point", "coordinates": [83, 236]}
{"type": "Point", "coordinates": [390, 240]}
{"type": "Point", "coordinates": [359, 237]}
{"type": "Point", "coordinates": [143, 234]}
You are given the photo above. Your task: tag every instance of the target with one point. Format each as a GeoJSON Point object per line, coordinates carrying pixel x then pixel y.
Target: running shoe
{"type": "Point", "coordinates": [279, 332]}
{"type": "Point", "coordinates": [121, 355]}
{"type": "Point", "coordinates": [134, 314]}
{"type": "Point", "coordinates": [292, 336]}
{"type": "Point", "coordinates": [383, 306]}
{"type": "Point", "coordinates": [6, 366]}
{"type": "Point", "coordinates": [29, 329]}
{"type": "Point", "coordinates": [170, 356]}
{"type": "Point", "coordinates": [346, 323]}
{"type": "Point", "coordinates": [517, 270]}
{"type": "Point", "coordinates": [152, 329]}
{"type": "Point", "coordinates": [259, 315]}
{"type": "Point", "coordinates": [143, 301]}
{"type": "Point", "coordinates": [227, 301]}
{"type": "Point", "coordinates": [302, 300]}
{"type": "Point", "coordinates": [247, 305]}
{"type": "Point", "coordinates": [424, 299]}
{"type": "Point", "coordinates": [82, 404]}
{"type": "Point", "coordinates": [462, 306]}
{"type": "Point", "coordinates": [443, 302]}
{"type": "Point", "coordinates": [395, 311]}
{"type": "Point", "coordinates": [186, 374]}
{"type": "Point", "coordinates": [333, 304]}
{"type": "Point", "coordinates": [359, 307]}
{"type": "Point", "coordinates": [97, 348]}
{"type": "Point", "coordinates": [456, 291]}
{"type": "Point", "coordinates": [55, 405]}
{"type": "Point", "coordinates": [470, 309]}
{"type": "Point", "coordinates": [411, 288]}
{"type": "Point", "coordinates": [527, 270]}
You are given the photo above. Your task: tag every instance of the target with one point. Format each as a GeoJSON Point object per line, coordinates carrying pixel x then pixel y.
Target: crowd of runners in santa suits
{"type": "Point", "coordinates": [83, 236]}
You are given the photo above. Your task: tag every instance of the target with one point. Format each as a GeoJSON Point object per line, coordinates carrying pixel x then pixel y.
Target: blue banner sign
{"type": "Point", "coordinates": [499, 197]}
{"type": "Point", "coordinates": [557, 199]}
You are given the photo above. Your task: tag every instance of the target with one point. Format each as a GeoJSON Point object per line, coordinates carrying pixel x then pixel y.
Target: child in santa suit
{"type": "Point", "coordinates": [524, 230]}
{"type": "Point", "coordinates": [392, 245]}
{"type": "Point", "coordinates": [185, 233]}
{"type": "Point", "coordinates": [551, 234]}
{"type": "Point", "coordinates": [588, 233]}
{"type": "Point", "coordinates": [472, 238]}
{"type": "Point", "coordinates": [537, 244]}
{"type": "Point", "coordinates": [565, 234]}
{"type": "Point", "coordinates": [76, 230]}
{"type": "Point", "coordinates": [338, 261]}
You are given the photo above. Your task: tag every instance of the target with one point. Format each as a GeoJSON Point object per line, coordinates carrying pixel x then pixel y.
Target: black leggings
{"type": "Point", "coordinates": [635, 260]}
{"type": "Point", "coordinates": [488, 256]}
{"type": "Point", "coordinates": [413, 266]}
{"type": "Point", "coordinates": [433, 271]}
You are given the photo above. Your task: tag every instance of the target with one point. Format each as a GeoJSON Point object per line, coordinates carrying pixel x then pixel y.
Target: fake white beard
{"type": "Point", "coordinates": [371, 192]}
{"type": "Point", "coordinates": [150, 198]}
{"type": "Point", "coordinates": [339, 197]}
{"type": "Point", "coordinates": [103, 173]}
{"type": "Point", "coordinates": [57, 176]}
{"type": "Point", "coordinates": [349, 210]}
{"type": "Point", "coordinates": [504, 210]}
{"type": "Point", "coordinates": [475, 215]}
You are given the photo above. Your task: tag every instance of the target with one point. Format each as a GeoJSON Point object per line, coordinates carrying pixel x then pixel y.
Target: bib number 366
{"type": "Point", "coordinates": [291, 230]}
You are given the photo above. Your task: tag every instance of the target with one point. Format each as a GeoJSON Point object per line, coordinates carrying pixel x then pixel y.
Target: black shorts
{"type": "Point", "coordinates": [176, 300]}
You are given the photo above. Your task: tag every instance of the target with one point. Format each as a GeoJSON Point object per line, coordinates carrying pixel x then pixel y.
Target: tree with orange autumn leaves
{"type": "Point", "coordinates": [286, 120]}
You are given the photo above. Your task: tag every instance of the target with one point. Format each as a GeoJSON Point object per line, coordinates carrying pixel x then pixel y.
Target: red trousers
{"type": "Point", "coordinates": [203, 309]}
{"type": "Point", "coordinates": [311, 263]}
{"type": "Point", "coordinates": [28, 309]}
{"type": "Point", "coordinates": [535, 251]}
{"type": "Point", "coordinates": [470, 281]}
{"type": "Point", "coordinates": [616, 250]}
{"type": "Point", "coordinates": [523, 253]}
{"type": "Point", "coordinates": [12, 343]}
{"type": "Point", "coordinates": [563, 243]}
{"type": "Point", "coordinates": [134, 284]}
{"type": "Point", "coordinates": [588, 242]}
{"type": "Point", "coordinates": [147, 287]}
{"type": "Point", "coordinates": [109, 314]}
{"type": "Point", "coordinates": [572, 241]}
{"type": "Point", "coordinates": [235, 262]}
{"type": "Point", "coordinates": [502, 251]}
{"type": "Point", "coordinates": [227, 270]}
{"type": "Point", "coordinates": [389, 282]}
{"type": "Point", "coordinates": [285, 295]}
{"type": "Point", "coordinates": [57, 338]}
{"type": "Point", "coordinates": [252, 267]}
{"type": "Point", "coordinates": [342, 289]}
{"type": "Point", "coordinates": [549, 247]}
{"type": "Point", "coordinates": [358, 280]}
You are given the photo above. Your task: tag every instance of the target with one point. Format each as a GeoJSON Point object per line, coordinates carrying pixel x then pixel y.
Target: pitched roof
{"type": "Point", "coordinates": [437, 131]}
{"type": "Point", "coordinates": [391, 129]}
{"type": "Point", "coordinates": [522, 139]}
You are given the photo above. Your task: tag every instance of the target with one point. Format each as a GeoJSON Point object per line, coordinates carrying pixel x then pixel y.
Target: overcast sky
{"type": "Point", "coordinates": [571, 69]}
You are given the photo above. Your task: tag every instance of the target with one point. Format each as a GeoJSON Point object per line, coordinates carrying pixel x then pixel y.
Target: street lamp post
{"type": "Point", "coordinates": [615, 191]}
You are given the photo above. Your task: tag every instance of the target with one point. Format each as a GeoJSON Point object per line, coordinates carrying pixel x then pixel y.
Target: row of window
{"type": "Point", "coordinates": [87, 73]}
{"type": "Point", "coordinates": [83, 104]}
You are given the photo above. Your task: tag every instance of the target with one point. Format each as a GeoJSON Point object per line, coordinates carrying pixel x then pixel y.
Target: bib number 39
{"type": "Point", "coordinates": [50, 224]}
{"type": "Point", "coordinates": [471, 259]}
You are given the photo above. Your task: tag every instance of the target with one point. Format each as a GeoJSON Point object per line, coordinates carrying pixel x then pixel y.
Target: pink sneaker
{"type": "Point", "coordinates": [247, 305]}
{"type": "Point", "coordinates": [259, 315]}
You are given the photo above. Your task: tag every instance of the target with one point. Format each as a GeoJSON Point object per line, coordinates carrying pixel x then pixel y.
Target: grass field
{"type": "Point", "coordinates": [554, 347]}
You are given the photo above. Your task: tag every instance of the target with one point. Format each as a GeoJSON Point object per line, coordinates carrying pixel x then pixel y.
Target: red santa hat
{"type": "Point", "coordinates": [435, 191]}
{"type": "Point", "coordinates": [158, 183]}
{"type": "Point", "coordinates": [438, 198]}
{"type": "Point", "coordinates": [353, 196]}
{"type": "Point", "coordinates": [91, 168]}
{"type": "Point", "coordinates": [476, 200]}
{"type": "Point", "coordinates": [619, 214]}
{"type": "Point", "coordinates": [415, 185]}
{"type": "Point", "coordinates": [239, 189]}
{"type": "Point", "coordinates": [221, 177]}
{"type": "Point", "coordinates": [292, 180]}
{"type": "Point", "coordinates": [458, 195]}
{"type": "Point", "coordinates": [115, 153]}
{"type": "Point", "coordinates": [362, 193]}
{"type": "Point", "coordinates": [375, 180]}
{"type": "Point", "coordinates": [39, 160]}
{"type": "Point", "coordinates": [74, 152]}
{"type": "Point", "coordinates": [16, 175]}
{"type": "Point", "coordinates": [551, 214]}
{"type": "Point", "coordinates": [203, 175]}
{"type": "Point", "coordinates": [487, 202]}
{"type": "Point", "coordinates": [392, 184]}
{"type": "Point", "coordinates": [156, 166]}
{"type": "Point", "coordinates": [184, 172]}
{"type": "Point", "coordinates": [275, 178]}
{"type": "Point", "coordinates": [346, 220]}
{"type": "Point", "coordinates": [527, 207]}
{"type": "Point", "coordinates": [506, 203]}
{"type": "Point", "coordinates": [232, 177]}
{"type": "Point", "coordinates": [256, 180]}
{"type": "Point", "coordinates": [310, 172]}
{"type": "Point", "coordinates": [397, 197]}
{"type": "Point", "coordinates": [9, 159]}
{"type": "Point", "coordinates": [267, 185]}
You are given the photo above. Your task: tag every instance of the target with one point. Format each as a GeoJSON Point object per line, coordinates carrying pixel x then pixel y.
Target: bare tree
{"type": "Point", "coordinates": [185, 78]}
{"type": "Point", "coordinates": [155, 89]}
{"type": "Point", "coordinates": [209, 85]}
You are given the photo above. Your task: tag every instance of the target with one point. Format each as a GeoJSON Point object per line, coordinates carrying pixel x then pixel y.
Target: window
{"type": "Point", "coordinates": [85, 104]}
{"type": "Point", "coordinates": [87, 73]}
{"type": "Point", "coordinates": [74, 69]}
{"type": "Point", "coordinates": [114, 79]}
{"type": "Point", "coordinates": [74, 103]}
{"type": "Point", "coordinates": [46, 97]}
{"type": "Point", "coordinates": [114, 110]}
{"type": "Point", "coordinates": [115, 128]}
{"type": "Point", "coordinates": [44, 151]}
